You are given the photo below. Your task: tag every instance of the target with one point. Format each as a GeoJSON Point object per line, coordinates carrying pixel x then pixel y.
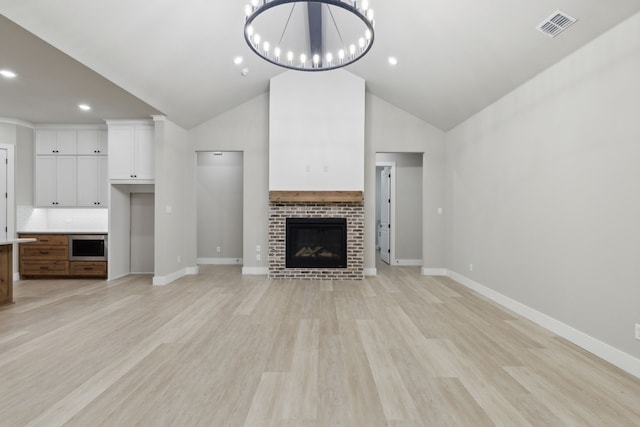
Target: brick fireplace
{"type": "Point", "coordinates": [314, 204]}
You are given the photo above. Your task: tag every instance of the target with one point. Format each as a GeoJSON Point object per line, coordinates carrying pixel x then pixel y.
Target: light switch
{"type": "Point", "coordinates": [169, 209]}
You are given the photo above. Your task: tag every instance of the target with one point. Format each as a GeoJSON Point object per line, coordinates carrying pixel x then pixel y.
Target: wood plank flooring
{"type": "Point", "coordinates": [222, 349]}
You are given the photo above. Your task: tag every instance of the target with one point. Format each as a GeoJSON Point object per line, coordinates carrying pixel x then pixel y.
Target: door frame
{"type": "Point", "coordinates": [392, 214]}
{"type": "Point", "coordinates": [11, 231]}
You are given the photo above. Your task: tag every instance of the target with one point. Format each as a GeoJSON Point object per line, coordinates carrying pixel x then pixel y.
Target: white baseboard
{"type": "Point", "coordinates": [434, 271]}
{"type": "Point", "coordinates": [16, 277]}
{"type": "Point", "coordinates": [408, 262]}
{"type": "Point", "coordinates": [603, 350]}
{"type": "Point", "coordinates": [192, 271]}
{"type": "Point", "coordinates": [370, 272]}
{"type": "Point", "coordinates": [220, 261]}
{"type": "Point", "coordinates": [255, 271]}
{"type": "Point", "coordinates": [165, 280]}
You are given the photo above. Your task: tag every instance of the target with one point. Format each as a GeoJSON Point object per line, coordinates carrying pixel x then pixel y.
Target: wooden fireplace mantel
{"type": "Point", "coordinates": [316, 196]}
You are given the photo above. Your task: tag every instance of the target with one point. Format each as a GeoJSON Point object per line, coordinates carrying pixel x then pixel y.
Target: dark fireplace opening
{"type": "Point", "coordinates": [316, 243]}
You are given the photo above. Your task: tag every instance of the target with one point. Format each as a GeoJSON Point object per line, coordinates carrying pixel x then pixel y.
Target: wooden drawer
{"type": "Point", "coordinates": [44, 268]}
{"type": "Point", "coordinates": [47, 239]}
{"type": "Point", "coordinates": [88, 268]}
{"type": "Point", "coordinates": [43, 252]}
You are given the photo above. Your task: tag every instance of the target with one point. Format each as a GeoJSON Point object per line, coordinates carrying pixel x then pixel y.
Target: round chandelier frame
{"type": "Point", "coordinates": [347, 51]}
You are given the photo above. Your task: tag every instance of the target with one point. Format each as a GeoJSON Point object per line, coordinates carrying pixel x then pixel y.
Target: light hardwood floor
{"type": "Point", "coordinates": [222, 349]}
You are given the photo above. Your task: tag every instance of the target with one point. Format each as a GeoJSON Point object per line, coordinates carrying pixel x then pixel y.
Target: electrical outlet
{"type": "Point", "coordinates": [638, 331]}
{"type": "Point", "coordinates": [470, 267]}
{"type": "Point", "coordinates": [258, 248]}
{"type": "Point", "coordinates": [257, 257]}
{"type": "Point", "coordinates": [218, 249]}
{"type": "Point", "coordinates": [179, 258]}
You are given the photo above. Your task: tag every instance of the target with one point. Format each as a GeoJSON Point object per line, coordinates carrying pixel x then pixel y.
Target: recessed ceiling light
{"type": "Point", "coordinates": [244, 72]}
{"type": "Point", "coordinates": [84, 107]}
{"type": "Point", "coordinates": [238, 60]}
{"type": "Point", "coordinates": [8, 74]}
{"type": "Point", "coordinates": [393, 60]}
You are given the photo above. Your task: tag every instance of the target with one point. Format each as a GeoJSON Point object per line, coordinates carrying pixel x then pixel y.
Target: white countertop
{"type": "Point", "coordinates": [12, 241]}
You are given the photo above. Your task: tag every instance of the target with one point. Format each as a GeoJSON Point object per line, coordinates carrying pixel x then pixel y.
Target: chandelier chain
{"type": "Point", "coordinates": [335, 24]}
{"type": "Point", "coordinates": [284, 30]}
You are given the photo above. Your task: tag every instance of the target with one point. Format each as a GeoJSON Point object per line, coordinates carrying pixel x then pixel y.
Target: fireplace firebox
{"type": "Point", "coordinates": [316, 243]}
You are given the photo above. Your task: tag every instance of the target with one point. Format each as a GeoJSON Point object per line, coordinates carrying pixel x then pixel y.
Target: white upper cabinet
{"type": "Point", "coordinates": [56, 142]}
{"type": "Point", "coordinates": [92, 142]}
{"type": "Point", "coordinates": [71, 166]}
{"type": "Point", "coordinates": [92, 181]}
{"type": "Point", "coordinates": [56, 181]}
{"type": "Point", "coordinates": [131, 152]}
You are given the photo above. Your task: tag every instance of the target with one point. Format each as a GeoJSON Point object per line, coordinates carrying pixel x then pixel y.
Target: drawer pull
{"type": "Point", "coordinates": [88, 268]}
{"type": "Point", "coordinates": [44, 267]}
{"type": "Point", "coordinates": [44, 252]}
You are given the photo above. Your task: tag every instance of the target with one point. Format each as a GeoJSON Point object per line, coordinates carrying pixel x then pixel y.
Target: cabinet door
{"type": "Point", "coordinates": [66, 180]}
{"type": "Point", "coordinates": [45, 181]}
{"type": "Point", "coordinates": [88, 142]}
{"type": "Point", "coordinates": [46, 142]}
{"type": "Point", "coordinates": [103, 143]}
{"type": "Point", "coordinates": [88, 181]}
{"type": "Point", "coordinates": [121, 148]}
{"type": "Point", "coordinates": [66, 142]}
{"type": "Point", "coordinates": [144, 154]}
{"type": "Point", "coordinates": [103, 181]}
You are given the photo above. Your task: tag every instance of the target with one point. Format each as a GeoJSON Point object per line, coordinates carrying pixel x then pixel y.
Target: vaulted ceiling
{"type": "Point", "coordinates": [131, 59]}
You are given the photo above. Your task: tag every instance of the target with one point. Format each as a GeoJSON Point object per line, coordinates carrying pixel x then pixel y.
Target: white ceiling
{"type": "Point", "coordinates": [175, 58]}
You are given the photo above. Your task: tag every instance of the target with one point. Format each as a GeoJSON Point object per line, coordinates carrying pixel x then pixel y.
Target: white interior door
{"type": "Point", "coordinates": [4, 224]}
{"type": "Point", "coordinates": [384, 232]}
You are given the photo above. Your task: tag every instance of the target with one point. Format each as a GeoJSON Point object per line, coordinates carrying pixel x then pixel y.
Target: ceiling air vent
{"type": "Point", "coordinates": [556, 23]}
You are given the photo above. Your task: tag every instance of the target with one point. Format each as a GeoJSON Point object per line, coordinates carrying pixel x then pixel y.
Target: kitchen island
{"type": "Point", "coordinates": [6, 269]}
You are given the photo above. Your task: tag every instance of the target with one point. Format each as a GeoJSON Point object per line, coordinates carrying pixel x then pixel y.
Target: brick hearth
{"type": "Point", "coordinates": [352, 211]}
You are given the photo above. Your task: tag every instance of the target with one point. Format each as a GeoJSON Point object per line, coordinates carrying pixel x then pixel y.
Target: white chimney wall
{"type": "Point", "coordinates": [316, 131]}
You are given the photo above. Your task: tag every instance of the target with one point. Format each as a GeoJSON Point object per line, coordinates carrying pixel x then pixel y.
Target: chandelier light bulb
{"type": "Point", "coordinates": [276, 52]}
{"type": "Point", "coordinates": [266, 46]}
{"type": "Point", "coordinates": [254, 3]}
{"type": "Point", "coordinates": [365, 4]}
{"type": "Point", "coordinates": [248, 9]}
{"type": "Point", "coordinates": [329, 58]}
{"type": "Point", "coordinates": [352, 50]}
{"type": "Point", "coordinates": [303, 59]}
{"type": "Point", "coordinates": [250, 31]}
{"type": "Point", "coordinates": [360, 43]}
{"type": "Point", "coordinates": [341, 55]}
{"type": "Point", "coordinates": [316, 59]}
{"type": "Point", "coordinates": [290, 57]}
{"type": "Point", "coordinates": [256, 39]}
{"type": "Point", "coordinates": [367, 35]}
{"type": "Point", "coordinates": [370, 15]}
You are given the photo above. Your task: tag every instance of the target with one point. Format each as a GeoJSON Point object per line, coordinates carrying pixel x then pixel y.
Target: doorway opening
{"type": "Point", "coordinates": [219, 180]}
{"type": "Point", "coordinates": [399, 219]}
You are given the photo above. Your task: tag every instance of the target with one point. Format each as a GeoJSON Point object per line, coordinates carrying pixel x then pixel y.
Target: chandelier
{"type": "Point", "coordinates": [309, 35]}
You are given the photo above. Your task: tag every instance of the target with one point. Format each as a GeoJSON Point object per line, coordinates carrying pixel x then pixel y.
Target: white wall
{"type": "Point", "coordinates": [544, 191]}
{"type": "Point", "coordinates": [390, 129]}
{"type": "Point", "coordinates": [219, 195]}
{"type": "Point", "coordinates": [246, 129]}
{"type": "Point", "coordinates": [316, 132]}
{"type": "Point", "coordinates": [175, 218]}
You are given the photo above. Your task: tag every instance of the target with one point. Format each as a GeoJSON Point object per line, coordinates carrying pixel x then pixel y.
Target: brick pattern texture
{"type": "Point", "coordinates": [353, 212]}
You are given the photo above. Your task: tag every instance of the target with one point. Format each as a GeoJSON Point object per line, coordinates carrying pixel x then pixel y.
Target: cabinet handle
{"type": "Point", "coordinates": [44, 252]}
{"type": "Point", "coordinates": [44, 268]}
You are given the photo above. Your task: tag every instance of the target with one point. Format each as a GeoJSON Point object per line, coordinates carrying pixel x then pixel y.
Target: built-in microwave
{"type": "Point", "coordinates": [87, 247]}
